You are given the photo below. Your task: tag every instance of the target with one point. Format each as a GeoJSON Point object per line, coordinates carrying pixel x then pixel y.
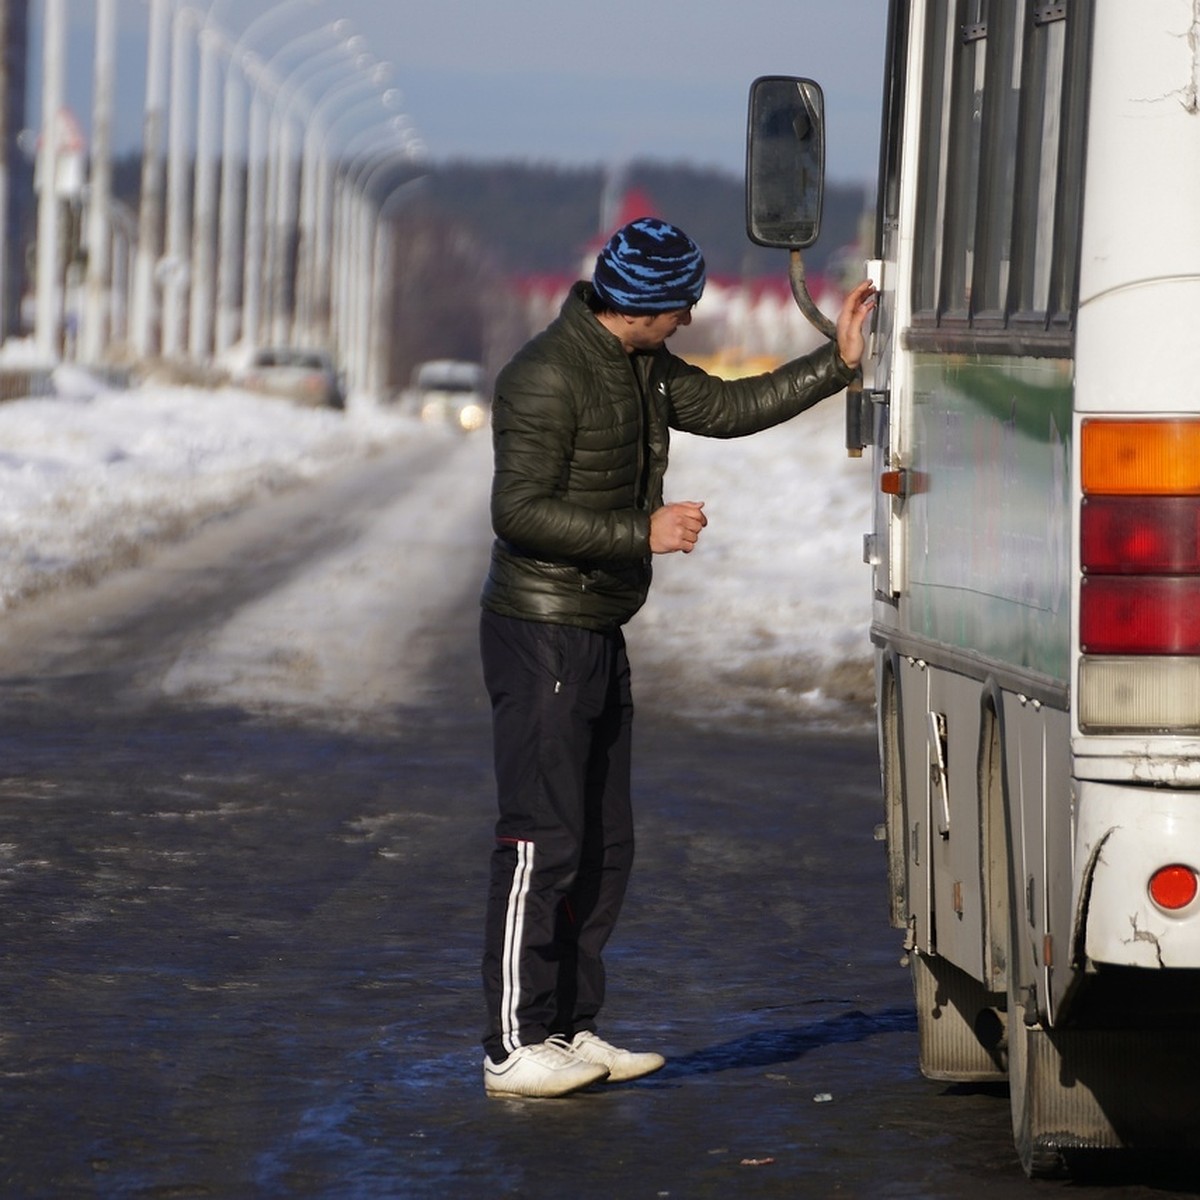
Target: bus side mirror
{"type": "Point", "coordinates": [785, 162]}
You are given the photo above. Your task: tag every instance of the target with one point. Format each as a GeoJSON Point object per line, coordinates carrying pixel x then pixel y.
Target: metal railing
{"type": "Point", "coordinates": [22, 383]}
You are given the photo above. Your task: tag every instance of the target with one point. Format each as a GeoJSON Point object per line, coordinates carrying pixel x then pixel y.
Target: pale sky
{"type": "Point", "coordinates": [557, 81]}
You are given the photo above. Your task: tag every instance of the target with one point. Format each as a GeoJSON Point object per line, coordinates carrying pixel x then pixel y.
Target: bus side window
{"type": "Point", "coordinates": [1038, 173]}
{"type": "Point", "coordinates": [997, 183]}
{"type": "Point", "coordinates": [931, 188]}
{"type": "Point", "coordinates": [998, 188]}
{"type": "Point", "coordinates": [969, 64]}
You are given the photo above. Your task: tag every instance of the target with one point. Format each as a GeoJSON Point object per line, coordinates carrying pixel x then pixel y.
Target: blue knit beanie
{"type": "Point", "coordinates": [649, 267]}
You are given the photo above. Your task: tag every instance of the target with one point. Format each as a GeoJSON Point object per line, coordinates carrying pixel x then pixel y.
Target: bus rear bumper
{"type": "Point", "coordinates": [1123, 836]}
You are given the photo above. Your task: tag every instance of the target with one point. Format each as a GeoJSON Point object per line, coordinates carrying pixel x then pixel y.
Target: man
{"type": "Point", "coordinates": [581, 423]}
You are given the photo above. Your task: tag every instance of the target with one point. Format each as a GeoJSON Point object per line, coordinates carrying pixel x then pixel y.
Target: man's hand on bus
{"type": "Point", "coordinates": [855, 310]}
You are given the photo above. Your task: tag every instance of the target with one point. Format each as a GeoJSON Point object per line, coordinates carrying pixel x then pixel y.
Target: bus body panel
{"type": "Point", "coordinates": [1137, 348]}
{"type": "Point", "coordinates": [1140, 253]}
{"type": "Point", "coordinates": [1025, 767]}
{"type": "Point", "coordinates": [956, 866]}
{"type": "Point", "coordinates": [989, 519]}
{"type": "Point", "coordinates": [912, 689]}
{"type": "Point", "coordinates": [1166, 761]}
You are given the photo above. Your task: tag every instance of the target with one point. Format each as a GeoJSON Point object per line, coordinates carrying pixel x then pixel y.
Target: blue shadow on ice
{"type": "Point", "coordinates": [770, 1047]}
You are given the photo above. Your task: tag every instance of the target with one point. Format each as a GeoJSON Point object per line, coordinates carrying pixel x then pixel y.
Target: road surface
{"type": "Point", "coordinates": [245, 813]}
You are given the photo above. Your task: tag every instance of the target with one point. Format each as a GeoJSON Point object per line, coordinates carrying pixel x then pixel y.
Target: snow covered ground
{"type": "Point", "coordinates": [771, 610]}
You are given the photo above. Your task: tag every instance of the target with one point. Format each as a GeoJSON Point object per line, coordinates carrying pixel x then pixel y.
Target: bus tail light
{"type": "Point", "coordinates": [1146, 694]}
{"type": "Point", "coordinates": [1173, 887]}
{"type": "Point", "coordinates": [1139, 600]}
{"type": "Point", "coordinates": [1141, 458]}
{"type": "Point", "coordinates": [1139, 535]}
{"type": "Point", "coordinates": [1140, 615]}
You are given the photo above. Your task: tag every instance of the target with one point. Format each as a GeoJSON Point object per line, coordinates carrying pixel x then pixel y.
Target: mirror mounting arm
{"type": "Point", "coordinates": [804, 301]}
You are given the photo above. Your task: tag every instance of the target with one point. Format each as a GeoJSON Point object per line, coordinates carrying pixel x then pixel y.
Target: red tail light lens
{"type": "Point", "coordinates": [1155, 535]}
{"type": "Point", "coordinates": [1173, 887]}
{"type": "Point", "coordinates": [1139, 615]}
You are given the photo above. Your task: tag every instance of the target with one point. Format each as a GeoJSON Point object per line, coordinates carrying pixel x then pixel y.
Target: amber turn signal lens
{"type": "Point", "coordinates": [1141, 458]}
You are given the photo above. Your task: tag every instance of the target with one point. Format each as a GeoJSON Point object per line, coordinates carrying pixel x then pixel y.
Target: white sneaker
{"type": "Point", "coordinates": [621, 1064]}
{"type": "Point", "coordinates": [549, 1068]}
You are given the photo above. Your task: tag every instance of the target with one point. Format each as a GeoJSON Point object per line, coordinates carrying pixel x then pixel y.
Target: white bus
{"type": "Point", "coordinates": [1032, 405]}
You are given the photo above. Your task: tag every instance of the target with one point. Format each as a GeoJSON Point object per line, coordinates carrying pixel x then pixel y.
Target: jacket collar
{"type": "Point", "coordinates": [581, 321]}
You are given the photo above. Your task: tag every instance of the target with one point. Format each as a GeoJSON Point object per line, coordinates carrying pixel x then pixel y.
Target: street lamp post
{"type": "Point", "coordinates": [200, 327]}
{"type": "Point", "coordinates": [96, 311]}
{"type": "Point", "coordinates": [144, 318]}
{"type": "Point", "coordinates": [48, 314]}
{"type": "Point", "coordinates": [252, 255]}
{"type": "Point", "coordinates": [173, 268]}
{"type": "Point", "coordinates": [124, 247]}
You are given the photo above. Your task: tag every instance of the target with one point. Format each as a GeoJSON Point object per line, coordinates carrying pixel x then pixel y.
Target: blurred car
{"type": "Point", "coordinates": [308, 377]}
{"type": "Point", "coordinates": [451, 392]}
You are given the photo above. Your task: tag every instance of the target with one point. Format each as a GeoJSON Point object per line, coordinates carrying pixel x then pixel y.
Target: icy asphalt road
{"type": "Point", "coordinates": [245, 808]}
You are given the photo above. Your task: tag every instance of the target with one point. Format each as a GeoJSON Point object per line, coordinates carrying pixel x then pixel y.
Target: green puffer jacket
{"type": "Point", "coordinates": [580, 457]}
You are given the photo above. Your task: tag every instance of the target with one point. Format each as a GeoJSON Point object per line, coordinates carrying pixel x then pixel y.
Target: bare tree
{"type": "Point", "coordinates": [449, 298]}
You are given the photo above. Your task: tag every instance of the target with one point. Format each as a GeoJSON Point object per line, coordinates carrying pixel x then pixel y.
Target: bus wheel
{"type": "Point", "coordinates": [1087, 1097]}
{"type": "Point", "coordinates": [1034, 1072]}
{"type": "Point", "coordinates": [1032, 1060]}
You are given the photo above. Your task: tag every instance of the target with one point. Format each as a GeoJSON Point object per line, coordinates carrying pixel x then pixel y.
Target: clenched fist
{"type": "Point", "coordinates": [677, 526]}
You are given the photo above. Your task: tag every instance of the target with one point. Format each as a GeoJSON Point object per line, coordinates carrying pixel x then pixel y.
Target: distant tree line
{"type": "Point", "coordinates": [537, 219]}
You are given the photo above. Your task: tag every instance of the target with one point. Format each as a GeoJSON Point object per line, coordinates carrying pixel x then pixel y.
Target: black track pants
{"type": "Point", "coordinates": [562, 717]}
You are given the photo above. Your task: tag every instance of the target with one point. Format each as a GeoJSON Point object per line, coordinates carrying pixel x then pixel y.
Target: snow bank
{"type": "Point", "coordinates": [90, 478]}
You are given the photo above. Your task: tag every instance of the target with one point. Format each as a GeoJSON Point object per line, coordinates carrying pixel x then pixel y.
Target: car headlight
{"type": "Point", "coordinates": [471, 417]}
